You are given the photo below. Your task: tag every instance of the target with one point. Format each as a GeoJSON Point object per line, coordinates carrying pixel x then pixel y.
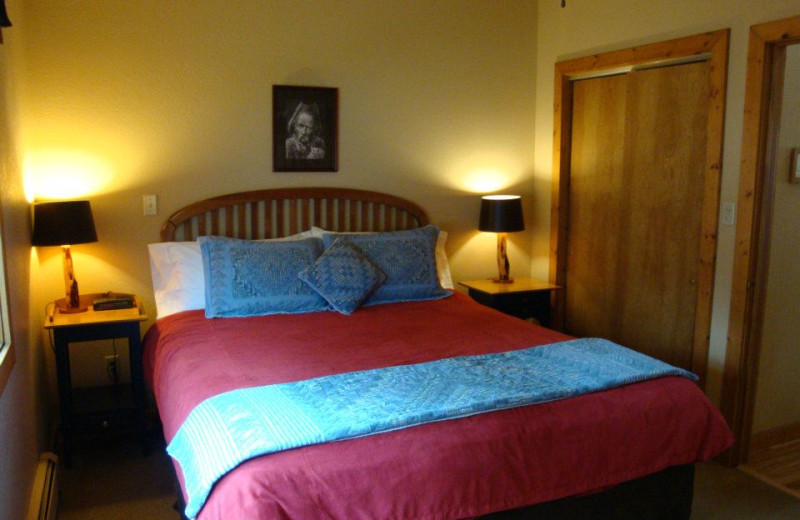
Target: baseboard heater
{"type": "Point", "coordinates": [44, 496]}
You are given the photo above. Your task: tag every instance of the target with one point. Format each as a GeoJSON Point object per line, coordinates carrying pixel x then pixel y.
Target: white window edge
{"type": "Point", "coordinates": [7, 347]}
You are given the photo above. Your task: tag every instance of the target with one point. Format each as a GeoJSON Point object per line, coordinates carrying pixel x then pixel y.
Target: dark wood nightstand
{"type": "Point", "coordinates": [523, 298]}
{"type": "Point", "coordinates": [94, 410]}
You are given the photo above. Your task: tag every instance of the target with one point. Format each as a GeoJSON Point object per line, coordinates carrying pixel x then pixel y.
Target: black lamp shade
{"type": "Point", "coordinates": [63, 223]}
{"type": "Point", "coordinates": [4, 21]}
{"type": "Point", "coordinates": [501, 213]}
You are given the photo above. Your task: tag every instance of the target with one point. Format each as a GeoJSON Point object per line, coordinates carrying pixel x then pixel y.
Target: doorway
{"type": "Point", "coordinates": [616, 222]}
{"type": "Point", "coordinates": [764, 279]}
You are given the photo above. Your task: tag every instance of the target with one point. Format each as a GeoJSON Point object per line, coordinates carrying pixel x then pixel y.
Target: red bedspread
{"type": "Point", "coordinates": [450, 469]}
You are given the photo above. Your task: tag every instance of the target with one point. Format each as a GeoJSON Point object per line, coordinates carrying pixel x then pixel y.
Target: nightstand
{"type": "Point", "coordinates": [106, 408]}
{"type": "Point", "coordinates": [523, 298]}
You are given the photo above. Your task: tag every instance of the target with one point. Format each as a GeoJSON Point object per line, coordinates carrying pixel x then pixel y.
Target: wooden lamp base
{"type": "Point", "coordinates": [71, 304]}
{"type": "Point", "coordinates": [502, 261]}
{"type": "Point", "coordinates": [507, 280]}
{"type": "Point", "coordinates": [64, 308]}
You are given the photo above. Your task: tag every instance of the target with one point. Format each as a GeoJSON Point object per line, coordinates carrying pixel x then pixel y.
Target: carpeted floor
{"type": "Point", "coordinates": [110, 480]}
{"type": "Point", "coordinates": [722, 493]}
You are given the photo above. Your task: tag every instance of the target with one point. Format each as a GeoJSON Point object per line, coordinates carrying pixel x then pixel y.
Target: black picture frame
{"type": "Point", "coordinates": [305, 131]}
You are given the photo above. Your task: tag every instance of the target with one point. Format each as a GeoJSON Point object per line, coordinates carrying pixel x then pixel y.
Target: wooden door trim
{"type": "Point", "coordinates": [712, 46]}
{"type": "Point", "coordinates": [757, 175]}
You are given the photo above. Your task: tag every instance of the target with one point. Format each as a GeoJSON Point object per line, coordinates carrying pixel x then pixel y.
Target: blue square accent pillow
{"type": "Point", "coordinates": [343, 276]}
{"type": "Point", "coordinates": [407, 258]}
{"type": "Point", "coordinates": [253, 278]}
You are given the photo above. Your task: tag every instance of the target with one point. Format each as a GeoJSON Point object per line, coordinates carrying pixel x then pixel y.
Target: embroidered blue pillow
{"type": "Point", "coordinates": [252, 278]}
{"type": "Point", "coordinates": [343, 276]}
{"type": "Point", "coordinates": [408, 260]}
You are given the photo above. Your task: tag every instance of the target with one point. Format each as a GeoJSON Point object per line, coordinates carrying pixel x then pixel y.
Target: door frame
{"type": "Point", "coordinates": [767, 47]}
{"type": "Point", "coordinates": [711, 47]}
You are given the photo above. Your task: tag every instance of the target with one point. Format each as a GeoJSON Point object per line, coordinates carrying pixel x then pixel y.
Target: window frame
{"type": "Point", "coordinates": [7, 358]}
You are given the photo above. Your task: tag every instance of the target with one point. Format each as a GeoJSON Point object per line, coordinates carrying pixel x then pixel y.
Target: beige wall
{"type": "Point", "coordinates": [584, 28]}
{"type": "Point", "coordinates": [111, 100]}
{"type": "Point", "coordinates": [439, 100]}
{"type": "Point", "coordinates": [23, 414]}
{"type": "Point", "coordinates": [778, 383]}
{"type": "Point", "coordinates": [174, 99]}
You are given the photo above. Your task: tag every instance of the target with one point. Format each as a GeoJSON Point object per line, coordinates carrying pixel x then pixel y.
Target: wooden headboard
{"type": "Point", "coordinates": [285, 211]}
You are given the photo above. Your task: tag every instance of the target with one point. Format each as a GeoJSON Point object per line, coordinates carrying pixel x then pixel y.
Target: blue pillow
{"type": "Point", "coordinates": [343, 276]}
{"type": "Point", "coordinates": [408, 260]}
{"type": "Point", "coordinates": [253, 278]}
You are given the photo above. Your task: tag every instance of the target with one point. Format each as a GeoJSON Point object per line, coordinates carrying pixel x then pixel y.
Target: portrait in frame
{"type": "Point", "coordinates": [305, 129]}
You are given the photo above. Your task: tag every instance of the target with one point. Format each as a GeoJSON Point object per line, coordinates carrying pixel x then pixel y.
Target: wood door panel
{"type": "Point", "coordinates": [665, 163]}
{"type": "Point", "coordinates": [596, 174]}
{"type": "Point", "coordinates": [636, 195]}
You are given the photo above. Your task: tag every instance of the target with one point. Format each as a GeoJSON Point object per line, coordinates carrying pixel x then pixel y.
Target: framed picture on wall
{"type": "Point", "coordinates": [794, 172]}
{"type": "Point", "coordinates": [305, 132]}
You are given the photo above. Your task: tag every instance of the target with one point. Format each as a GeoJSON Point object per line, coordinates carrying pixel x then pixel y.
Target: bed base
{"type": "Point", "coordinates": [665, 495]}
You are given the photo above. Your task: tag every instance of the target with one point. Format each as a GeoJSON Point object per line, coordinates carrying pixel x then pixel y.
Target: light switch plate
{"type": "Point", "coordinates": [729, 213]}
{"type": "Point", "coordinates": [149, 205]}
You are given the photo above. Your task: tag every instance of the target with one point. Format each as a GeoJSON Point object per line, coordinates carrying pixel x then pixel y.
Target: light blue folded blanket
{"type": "Point", "coordinates": [228, 429]}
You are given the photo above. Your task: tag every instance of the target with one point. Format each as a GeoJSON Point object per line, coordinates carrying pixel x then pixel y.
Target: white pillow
{"type": "Point", "coordinates": [177, 272]}
{"type": "Point", "coordinates": [442, 263]}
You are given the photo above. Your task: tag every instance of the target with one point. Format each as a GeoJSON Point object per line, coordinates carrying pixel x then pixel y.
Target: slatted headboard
{"type": "Point", "coordinates": [285, 211]}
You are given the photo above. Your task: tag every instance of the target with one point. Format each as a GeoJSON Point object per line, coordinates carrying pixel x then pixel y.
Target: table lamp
{"type": "Point", "coordinates": [63, 224]}
{"type": "Point", "coordinates": [4, 21]}
{"type": "Point", "coordinates": [501, 214]}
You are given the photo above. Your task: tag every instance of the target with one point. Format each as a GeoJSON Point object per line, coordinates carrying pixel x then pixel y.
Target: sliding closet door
{"type": "Point", "coordinates": [596, 180]}
{"type": "Point", "coordinates": [636, 195]}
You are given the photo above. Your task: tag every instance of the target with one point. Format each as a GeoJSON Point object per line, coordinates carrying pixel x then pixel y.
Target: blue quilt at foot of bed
{"type": "Point", "coordinates": [228, 429]}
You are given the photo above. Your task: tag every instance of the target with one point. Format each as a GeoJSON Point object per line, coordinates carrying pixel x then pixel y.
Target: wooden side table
{"type": "Point", "coordinates": [91, 410]}
{"type": "Point", "coordinates": [523, 298]}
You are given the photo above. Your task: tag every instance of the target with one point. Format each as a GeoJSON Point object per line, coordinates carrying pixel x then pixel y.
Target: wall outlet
{"type": "Point", "coordinates": [112, 368]}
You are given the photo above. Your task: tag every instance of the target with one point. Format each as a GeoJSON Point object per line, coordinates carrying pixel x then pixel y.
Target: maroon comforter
{"type": "Point", "coordinates": [451, 469]}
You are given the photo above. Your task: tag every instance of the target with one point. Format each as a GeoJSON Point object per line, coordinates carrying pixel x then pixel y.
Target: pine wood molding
{"type": "Point", "coordinates": [7, 360]}
{"type": "Point", "coordinates": [713, 47]}
{"type": "Point", "coordinates": [767, 44]}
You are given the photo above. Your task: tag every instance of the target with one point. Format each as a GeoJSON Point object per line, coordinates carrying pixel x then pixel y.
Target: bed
{"type": "Point", "coordinates": [623, 452]}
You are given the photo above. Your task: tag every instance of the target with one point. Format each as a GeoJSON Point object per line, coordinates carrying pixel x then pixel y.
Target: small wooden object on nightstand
{"type": "Point", "coordinates": [101, 408]}
{"type": "Point", "coordinates": [523, 298]}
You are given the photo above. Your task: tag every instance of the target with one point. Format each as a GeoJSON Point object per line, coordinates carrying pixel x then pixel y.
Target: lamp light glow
{"type": "Point", "coordinates": [58, 174]}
